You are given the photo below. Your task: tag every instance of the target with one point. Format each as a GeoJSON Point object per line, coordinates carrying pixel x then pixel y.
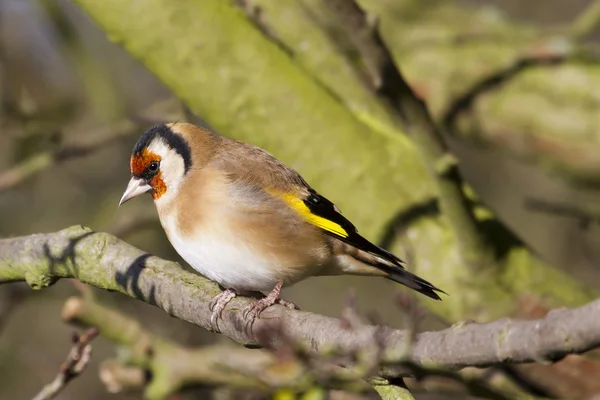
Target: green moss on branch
{"type": "Point", "coordinates": [104, 261]}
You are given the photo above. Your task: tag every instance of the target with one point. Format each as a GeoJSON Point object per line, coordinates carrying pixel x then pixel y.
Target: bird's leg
{"type": "Point", "coordinates": [217, 305]}
{"type": "Point", "coordinates": [254, 309]}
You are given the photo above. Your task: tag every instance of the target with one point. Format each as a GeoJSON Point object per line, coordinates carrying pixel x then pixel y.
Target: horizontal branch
{"type": "Point", "coordinates": [40, 162]}
{"type": "Point", "coordinates": [98, 139]}
{"type": "Point", "coordinates": [173, 367]}
{"type": "Point", "coordinates": [102, 260]}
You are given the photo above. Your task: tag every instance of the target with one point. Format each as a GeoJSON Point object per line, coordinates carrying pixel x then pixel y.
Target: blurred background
{"type": "Point", "coordinates": [73, 104]}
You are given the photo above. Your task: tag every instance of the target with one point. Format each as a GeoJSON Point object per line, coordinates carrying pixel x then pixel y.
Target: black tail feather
{"type": "Point", "coordinates": [382, 259]}
{"type": "Point", "coordinates": [414, 282]}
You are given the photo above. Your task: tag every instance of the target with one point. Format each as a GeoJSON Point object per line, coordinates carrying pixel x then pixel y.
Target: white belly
{"type": "Point", "coordinates": [225, 260]}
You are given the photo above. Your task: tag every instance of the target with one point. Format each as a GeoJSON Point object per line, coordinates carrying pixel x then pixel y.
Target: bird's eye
{"type": "Point", "coordinates": [153, 167]}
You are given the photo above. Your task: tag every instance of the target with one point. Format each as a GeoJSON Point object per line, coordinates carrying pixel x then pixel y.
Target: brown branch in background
{"type": "Point", "coordinates": [568, 159]}
{"type": "Point", "coordinates": [585, 217]}
{"type": "Point", "coordinates": [464, 102]}
{"type": "Point", "coordinates": [586, 23]}
{"type": "Point", "coordinates": [101, 260]}
{"type": "Point", "coordinates": [39, 162]}
{"type": "Point", "coordinates": [254, 13]}
{"type": "Point", "coordinates": [76, 361]}
{"type": "Point", "coordinates": [392, 88]}
{"type": "Point", "coordinates": [166, 367]}
{"type": "Point", "coordinates": [475, 386]}
{"type": "Point", "coordinates": [413, 313]}
{"type": "Point", "coordinates": [158, 112]}
{"type": "Point", "coordinates": [119, 378]}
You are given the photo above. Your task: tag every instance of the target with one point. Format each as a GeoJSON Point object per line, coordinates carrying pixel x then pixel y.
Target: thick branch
{"type": "Point", "coordinates": [571, 159]}
{"type": "Point", "coordinates": [587, 22]}
{"type": "Point", "coordinates": [464, 102]}
{"type": "Point", "coordinates": [393, 89]}
{"type": "Point", "coordinates": [106, 262]}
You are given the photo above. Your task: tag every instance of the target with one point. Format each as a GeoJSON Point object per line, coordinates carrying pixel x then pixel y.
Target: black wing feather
{"type": "Point", "coordinates": [324, 208]}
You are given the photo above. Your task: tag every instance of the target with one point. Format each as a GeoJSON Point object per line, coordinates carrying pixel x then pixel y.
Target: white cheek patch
{"type": "Point", "coordinates": [172, 168]}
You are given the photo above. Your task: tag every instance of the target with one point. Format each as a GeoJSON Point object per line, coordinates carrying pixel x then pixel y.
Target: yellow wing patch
{"type": "Point", "coordinates": [323, 223]}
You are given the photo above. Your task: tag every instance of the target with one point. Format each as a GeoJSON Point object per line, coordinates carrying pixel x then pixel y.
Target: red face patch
{"type": "Point", "coordinates": [138, 164]}
{"type": "Point", "coordinates": [158, 186]}
{"type": "Point", "coordinates": [140, 161]}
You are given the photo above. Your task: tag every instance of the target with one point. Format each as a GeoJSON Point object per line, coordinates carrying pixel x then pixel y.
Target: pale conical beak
{"type": "Point", "coordinates": [135, 187]}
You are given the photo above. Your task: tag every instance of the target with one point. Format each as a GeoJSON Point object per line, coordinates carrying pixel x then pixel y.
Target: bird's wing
{"type": "Point", "coordinates": [319, 211]}
{"type": "Point", "coordinates": [251, 166]}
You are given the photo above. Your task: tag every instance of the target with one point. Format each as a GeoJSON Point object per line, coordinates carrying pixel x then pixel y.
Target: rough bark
{"type": "Point", "coordinates": [103, 261]}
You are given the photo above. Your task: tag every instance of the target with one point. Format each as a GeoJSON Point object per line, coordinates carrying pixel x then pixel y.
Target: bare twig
{"type": "Point", "coordinates": [585, 216]}
{"type": "Point", "coordinates": [76, 361]}
{"type": "Point", "coordinates": [350, 318]}
{"type": "Point", "coordinates": [166, 367]}
{"type": "Point", "coordinates": [476, 386]}
{"type": "Point", "coordinates": [39, 162]}
{"type": "Point", "coordinates": [414, 314]}
{"type": "Point", "coordinates": [393, 89]}
{"type": "Point", "coordinates": [120, 378]}
{"type": "Point", "coordinates": [106, 262]}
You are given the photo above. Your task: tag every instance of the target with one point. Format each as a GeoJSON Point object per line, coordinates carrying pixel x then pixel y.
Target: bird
{"type": "Point", "coordinates": [245, 220]}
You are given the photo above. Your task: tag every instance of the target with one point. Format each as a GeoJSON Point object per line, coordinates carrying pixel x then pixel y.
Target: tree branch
{"type": "Point", "coordinates": [39, 162]}
{"type": "Point", "coordinates": [119, 378]}
{"type": "Point", "coordinates": [172, 367]}
{"type": "Point", "coordinates": [571, 159]}
{"type": "Point", "coordinates": [587, 22]}
{"type": "Point", "coordinates": [106, 262]}
{"type": "Point", "coordinates": [393, 89]}
{"type": "Point", "coordinates": [389, 391]}
{"type": "Point", "coordinates": [464, 102]}
{"type": "Point", "coordinates": [76, 362]}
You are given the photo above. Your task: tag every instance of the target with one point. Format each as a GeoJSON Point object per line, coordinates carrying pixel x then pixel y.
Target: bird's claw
{"type": "Point", "coordinates": [217, 305]}
{"type": "Point", "coordinates": [255, 309]}
{"type": "Point", "coordinates": [288, 304]}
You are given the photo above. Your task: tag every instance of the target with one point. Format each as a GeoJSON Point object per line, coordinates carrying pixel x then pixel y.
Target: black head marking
{"type": "Point", "coordinates": [150, 171]}
{"type": "Point", "coordinates": [172, 139]}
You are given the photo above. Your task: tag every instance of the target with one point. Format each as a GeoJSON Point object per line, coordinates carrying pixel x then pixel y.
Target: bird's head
{"type": "Point", "coordinates": [159, 162]}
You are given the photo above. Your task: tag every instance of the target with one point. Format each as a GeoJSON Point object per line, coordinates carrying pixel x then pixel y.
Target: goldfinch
{"type": "Point", "coordinates": [243, 219]}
